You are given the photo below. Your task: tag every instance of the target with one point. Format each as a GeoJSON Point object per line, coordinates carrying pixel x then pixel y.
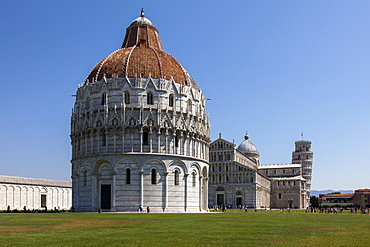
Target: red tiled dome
{"type": "Point", "coordinates": [141, 56]}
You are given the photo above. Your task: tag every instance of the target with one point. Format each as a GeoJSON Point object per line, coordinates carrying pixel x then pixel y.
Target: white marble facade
{"type": "Point", "coordinates": [234, 179]}
{"type": "Point", "coordinates": [238, 179]}
{"type": "Point", "coordinates": [34, 193]}
{"type": "Point", "coordinates": [143, 140]}
{"type": "Point", "coordinates": [291, 183]}
{"type": "Point", "coordinates": [109, 139]}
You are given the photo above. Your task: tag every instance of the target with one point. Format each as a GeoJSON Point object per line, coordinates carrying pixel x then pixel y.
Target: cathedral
{"type": "Point", "coordinates": [236, 177]}
{"type": "Point", "coordinates": [140, 132]}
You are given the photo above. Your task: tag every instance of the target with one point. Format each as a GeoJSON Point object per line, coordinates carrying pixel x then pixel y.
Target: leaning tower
{"type": "Point", "coordinates": [303, 155]}
{"type": "Point", "coordinates": [140, 131]}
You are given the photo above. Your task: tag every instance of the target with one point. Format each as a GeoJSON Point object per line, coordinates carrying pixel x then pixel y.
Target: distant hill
{"type": "Point", "coordinates": [318, 192]}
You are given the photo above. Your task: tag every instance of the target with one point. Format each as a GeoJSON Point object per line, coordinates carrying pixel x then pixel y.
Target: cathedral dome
{"type": "Point", "coordinates": [247, 146]}
{"type": "Point", "coordinates": [141, 56]}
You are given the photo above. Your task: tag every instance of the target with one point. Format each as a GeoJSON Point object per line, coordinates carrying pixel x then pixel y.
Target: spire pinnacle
{"type": "Point", "coordinates": [142, 13]}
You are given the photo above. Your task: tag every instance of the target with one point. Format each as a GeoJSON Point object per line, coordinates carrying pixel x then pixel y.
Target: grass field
{"type": "Point", "coordinates": [232, 228]}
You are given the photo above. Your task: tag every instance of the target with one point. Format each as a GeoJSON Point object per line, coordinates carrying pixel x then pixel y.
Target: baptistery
{"type": "Point", "coordinates": [140, 131]}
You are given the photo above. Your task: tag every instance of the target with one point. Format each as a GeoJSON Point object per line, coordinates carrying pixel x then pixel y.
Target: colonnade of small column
{"type": "Point", "coordinates": [231, 177]}
{"type": "Point", "coordinates": [187, 145]}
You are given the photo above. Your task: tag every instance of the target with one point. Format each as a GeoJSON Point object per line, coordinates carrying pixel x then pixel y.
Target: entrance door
{"type": "Point", "coordinates": [105, 196]}
{"type": "Point", "coordinates": [220, 199]}
{"type": "Point", "coordinates": [238, 201]}
{"type": "Point", "coordinates": [290, 201]}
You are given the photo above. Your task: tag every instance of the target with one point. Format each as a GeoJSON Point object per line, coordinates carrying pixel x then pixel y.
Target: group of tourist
{"type": "Point", "coordinates": [334, 210]}
{"type": "Point", "coordinates": [25, 210]}
{"type": "Point", "coordinates": [141, 209]}
{"type": "Point", "coordinates": [244, 208]}
{"type": "Point", "coordinates": [321, 210]}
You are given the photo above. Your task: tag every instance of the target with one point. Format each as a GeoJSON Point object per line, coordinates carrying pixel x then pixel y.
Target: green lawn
{"type": "Point", "coordinates": [233, 228]}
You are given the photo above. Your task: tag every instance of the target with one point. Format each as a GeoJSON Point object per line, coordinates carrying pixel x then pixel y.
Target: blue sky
{"type": "Point", "coordinates": [272, 68]}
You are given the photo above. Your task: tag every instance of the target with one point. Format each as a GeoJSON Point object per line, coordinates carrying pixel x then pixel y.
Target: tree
{"type": "Point", "coordinates": [314, 201]}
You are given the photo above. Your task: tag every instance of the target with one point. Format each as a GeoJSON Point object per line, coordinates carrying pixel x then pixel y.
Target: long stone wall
{"type": "Point", "coordinates": [17, 193]}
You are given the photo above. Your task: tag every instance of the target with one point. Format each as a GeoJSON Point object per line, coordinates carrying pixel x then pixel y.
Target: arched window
{"type": "Point", "coordinates": [84, 177]}
{"type": "Point", "coordinates": [176, 177]}
{"type": "Point", "coordinates": [279, 195]}
{"type": "Point", "coordinates": [194, 179]}
{"type": "Point", "coordinates": [103, 140]}
{"type": "Point", "coordinates": [104, 98]}
{"type": "Point", "coordinates": [87, 103]}
{"type": "Point", "coordinates": [177, 140]}
{"type": "Point", "coordinates": [115, 121]}
{"type": "Point", "coordinates": [149, 98]}
{"type": "Point", "coordinates": [189, 105]}
{"type": "Point", "coordinates": [154, 176]}
{"type": "Point", "coordinates": [145, 137]}
{"type": "Point", "coordinates": [128, 176]}
{"type": "Point", "coordinates": [170, 100]}
{"type": "Point", "coordinates": [127, 97]}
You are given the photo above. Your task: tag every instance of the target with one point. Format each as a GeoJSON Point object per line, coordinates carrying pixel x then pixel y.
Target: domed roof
{"type": "Point", "coordinates": [247, 146]}
{"type": "Point", "coordinates": [142, 20]}
{"type": "Point", "coordinates": [141, 56]}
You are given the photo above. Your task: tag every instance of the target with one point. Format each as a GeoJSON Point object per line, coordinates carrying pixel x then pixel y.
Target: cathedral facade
{"type": "Point", "coordinates": [236, 177]}
{"type": "Point", "coordinates": [140, 132]}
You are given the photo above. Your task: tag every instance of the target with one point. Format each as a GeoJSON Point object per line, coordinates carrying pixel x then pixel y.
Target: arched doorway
{"type": "Point", "coordinates": [105, 184]}
{"type": "Point", "coordinates": [220, 196]}
{"type": "Point", "coordinates": [204, 189]}
{"type": "Point", "coordinates": [239, 198]}
{"type": "Point", "coordinates": [290, 203]}
{"type": "Point", "coordinates": [105, 196]}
